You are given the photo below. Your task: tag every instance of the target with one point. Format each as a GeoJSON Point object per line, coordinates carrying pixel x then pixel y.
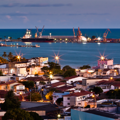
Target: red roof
{"type": "Point", "coordinates": [65, 88]}
{"type": "Point", "coordinates": [78, 93]}
{"type": "Point", "coordinates": [36, 78]}
{"type": "Point", "coordinates": [3, 83]}
{"type": "Point", "coordinates": [57, 84]}
{"type": "Point", "coordinates": [3, 93]}
{"type": "Point", "coordinates": [67, 78]}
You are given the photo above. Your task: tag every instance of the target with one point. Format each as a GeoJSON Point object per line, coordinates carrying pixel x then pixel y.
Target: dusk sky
{"type": "Point", "coordinates": [60, 13]}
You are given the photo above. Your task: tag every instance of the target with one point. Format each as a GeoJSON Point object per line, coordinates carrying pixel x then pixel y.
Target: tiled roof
{"type": "Point", "coordinates": [67, 78]}
{"type": "Point", "coordinates": [65, 88]}
{"type": "Point", "coordinates": [57, 84]}
{"type": "Point", "coordinates": [3, 83]}
{"type": "Point", "coordinates": [78, 93]}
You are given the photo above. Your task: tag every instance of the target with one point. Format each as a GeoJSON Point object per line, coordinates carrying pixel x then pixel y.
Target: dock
{"type": "Point", "coordinates": [5, 45]}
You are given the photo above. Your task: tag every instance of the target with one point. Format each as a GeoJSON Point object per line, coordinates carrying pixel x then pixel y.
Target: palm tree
{"type": "Point", "coordinates": [10, 56]}
{"type": "Point", "coordinates": [4, 54]}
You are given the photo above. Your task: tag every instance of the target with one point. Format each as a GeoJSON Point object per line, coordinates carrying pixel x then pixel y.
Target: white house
{"type": "Point", "coordinates": [57, 95]}
{"type": "Point", "coordinates": [73, 79]}
{"type": "Point", "coordinates": [74, 99]}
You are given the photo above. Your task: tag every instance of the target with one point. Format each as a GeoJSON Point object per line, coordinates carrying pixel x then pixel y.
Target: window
{"type": "Point", "coordinates": [68, 98]}
{"type": "Point", "coordinates": [68, 103]}
{"type": "Point", "coordinates": [79, 103]}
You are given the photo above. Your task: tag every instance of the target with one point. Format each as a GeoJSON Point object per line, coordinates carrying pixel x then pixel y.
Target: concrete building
{"type": "Point", "coordinates": [74, 99]}
{"type": "Point", "coordinates": [93, 115]}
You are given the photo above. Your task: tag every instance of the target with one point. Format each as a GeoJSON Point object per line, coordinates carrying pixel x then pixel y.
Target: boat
{"type": "Point", "coordinates": [37, 45]}
{"type": "Point", "coordinates": [28, 38]}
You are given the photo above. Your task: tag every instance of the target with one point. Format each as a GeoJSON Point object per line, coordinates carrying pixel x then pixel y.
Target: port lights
{"type": "Point", "coordinates": [57, 57]}
{"type": "Point", "coordinates": [102, 57]}
{"type": "Point", "coordinates": [99, 38]}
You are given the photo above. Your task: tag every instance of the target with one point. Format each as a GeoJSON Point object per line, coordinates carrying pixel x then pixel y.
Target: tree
{"type": "Point", "coordinates": [35, 96]}
{"type": "Point", "coordinates": [97, 90]}
{"type": "Point", "coordinates": [35, 116]}
{"type": "Point", "coordinates": [11, 101]}
{"type": "Point", "coordinates": [1, 74]}
{"type": "Point", "coordinates": [49, 95]}
{"type": "Point", "coordinates": [85, 67]}
{"type": "Point", "coordinates": [28, 84]}
{"type": "Point", "coordinates": [4, 54]}
{"type": "Point", "coordinates": [2, 60]}
{"type": "Point", "coordinates": [69, 73]}
{"type": "Point", "coordinates": [93, 37]}
{"type": "Point", "coordinates": [53, 65]}
{"type": "Point", "coordinates": [10, 56]}
{"type": "Point", "coordinates": [59, 101]}
{"type": "Point", "coordinates": [67, 67]}
{"type": "Point", "coordinates": [17, 114]}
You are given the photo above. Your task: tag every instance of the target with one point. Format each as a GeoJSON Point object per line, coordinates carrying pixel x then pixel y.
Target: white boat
{"type": "Point", "coordinates": [98, 43]}
{"type": "Point", "coordinates": [37, 45]}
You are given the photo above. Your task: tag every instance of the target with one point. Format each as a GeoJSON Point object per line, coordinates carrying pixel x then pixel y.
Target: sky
{"type": "Point", "coordinates": [59, 13]}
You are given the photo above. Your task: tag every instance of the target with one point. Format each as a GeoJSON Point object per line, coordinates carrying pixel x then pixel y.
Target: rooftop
{"type": "Point", "coordinates": [81, 93]}
{"type": "Point", "coordinates": [103, 113]}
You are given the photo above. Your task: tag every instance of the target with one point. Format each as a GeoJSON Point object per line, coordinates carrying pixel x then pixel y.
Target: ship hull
{"type": "Point", "coordinates": [37, 40]}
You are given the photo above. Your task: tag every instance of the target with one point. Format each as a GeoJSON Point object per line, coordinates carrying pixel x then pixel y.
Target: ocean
{"type": "Point", "coordinates": [73, 54]}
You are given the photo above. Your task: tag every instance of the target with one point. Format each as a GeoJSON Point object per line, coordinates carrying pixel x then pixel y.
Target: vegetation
{"type": "Point", "coordinates": [85, 67]}
{"type": "Point", "coordinates": [69, 73]}
{"type": "Point", "coordinates": [1, 74]}
{"type": "Point", "coordinates": [97, 90]}
{"type": "Point", "coordinates": [35, 116]}
{"type": "Point", "coordinates": [11, 102]}
{"type": "Point", "coordinates": [4, 55]}
{"type": "Point", "coordinates": [28, 84]}
{"type": "Point", "coordinates": [113, 94]}
{"type": "Point", "coordinates": [59, 101]}
{"type": "Point", "coordinates": [35, 96]}
{"type": "Point", "coordinates": [2, 60]}
{"type": "Point", "coordinates": [49, 95]}
{"type": "Point", "coordinates": [88, 106]}
{"type": "Point", "coordinates": [17, 114]}
{"type": "Point", "coordinates": [42, 82]}
{"type": "Point", "coordinates": [67, 67]}
{"type": "Point", "coordinates": [93, 37]}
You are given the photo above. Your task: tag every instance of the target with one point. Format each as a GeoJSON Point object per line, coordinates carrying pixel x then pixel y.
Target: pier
{"type": "Point", "coordinates": [5, 45]}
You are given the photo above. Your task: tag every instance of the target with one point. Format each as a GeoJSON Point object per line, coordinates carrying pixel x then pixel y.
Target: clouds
{"type": "Point", "coordinates": [34, 5]}
{"type": "Point", "coordinates": [8, 17]}
{"type": "Point", "coordinates": [25, 19]}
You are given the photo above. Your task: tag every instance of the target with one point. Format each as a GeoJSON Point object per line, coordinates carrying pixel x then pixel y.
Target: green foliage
{"type": "Point", "coordinates": [11, 101]}
{"type": "Point", "coordinates": [4, 54]}
{"type": "Point", "coordinates": [85, 67]}
{"type": "Point", "coordinates": [69, 73]}
{"type": "Point", "coordinates": [1, 74]}
{"type": "Point", "coordinates": [42, 82]}
{"type": "Point", "coordinates": [97, 90]}
{"type": "Point", "coordinates": [59, 101]}
{"type": "Point", "coordinates": [49, 95]}
{"type": "Point", "coordinates": [93, 37]}
{"type": "Point", "coordinates": [35, 96]}
{"type": "Point", "coordinates": [45, 69]}
{"type": "Point", "coordinates": [67, 67]}
{"type": "Point", "coordinates": [35, 116]}
{"type": "Point", "coordinates": [17, 114]}
{"type": "Point", "coordinates": [10, 56]}
{"type": "Point", "coordinates": [118, 79]}
{"type": "Point", "coordinates": [53, 65]}
{"type": "Point", "coordinates": [2, 60]}
{"type": "Point", "coordinates": [88, 106]}
{"type": "Point", "coordinates": [28, 84]}
{"type": "Point", "coordinates": [113, 94]}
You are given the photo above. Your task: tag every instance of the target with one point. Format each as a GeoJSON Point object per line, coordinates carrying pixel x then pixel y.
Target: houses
{"type": "Point", "coordinates": [73, 79]}
{"type": "Point", "coordinates": [75, 98]}
{"type": "Point", "coordinates": [12, 85]}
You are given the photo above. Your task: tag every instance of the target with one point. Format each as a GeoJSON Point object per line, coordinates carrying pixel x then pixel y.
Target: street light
{"type": "Point", "coordinates": [18, 57]}
{"type": "Point", "coordinates": [94, 97]}
{"type": "Point", "coordinates": [58, 116]}
{"type": "Point", "coordinates": [51, 76]}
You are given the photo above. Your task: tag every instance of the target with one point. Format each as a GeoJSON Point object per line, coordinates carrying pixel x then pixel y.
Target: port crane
{"type": "Point", "coordinates": [74, 32]}
{"type": "Point", "coordinates": [78, 34]}
{"type": "Point", "coordinates": [105, 35]}
{"type": "Point", "coordinates": [40, 33]}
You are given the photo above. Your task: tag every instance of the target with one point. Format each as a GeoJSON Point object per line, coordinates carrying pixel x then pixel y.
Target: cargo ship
{"type": "Point", "coordinates": [28, 37]}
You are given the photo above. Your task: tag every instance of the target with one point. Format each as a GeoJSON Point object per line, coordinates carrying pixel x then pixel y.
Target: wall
{"type": "Point", "coordinates": [78, 115]}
